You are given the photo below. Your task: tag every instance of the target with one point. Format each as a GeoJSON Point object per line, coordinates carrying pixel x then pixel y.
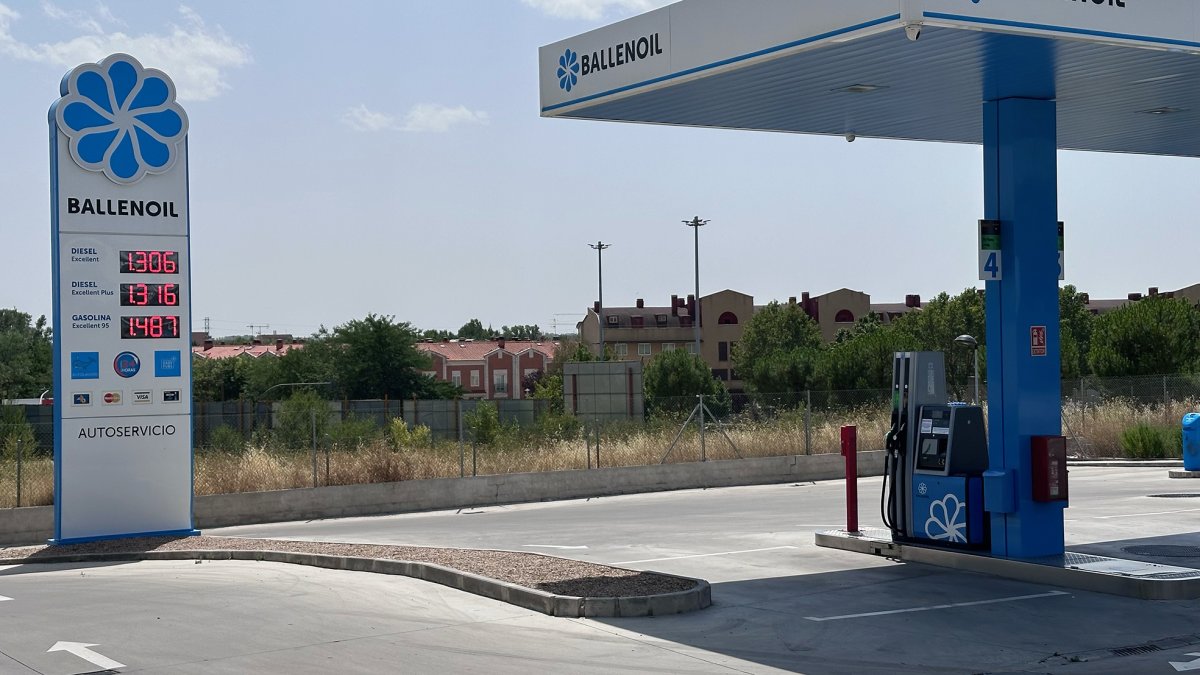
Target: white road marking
{"type": "Point", "coordinates": [1135, 515]}
{"type": "Point", "coordinates": [932, 607]}
{"type": "Point", "coordinates": [701, 555]}
{"type": "Point", "coordinates": [4, 597]}
{"type": "Point", "coordinates": [81, 649]}
{"type": "Point", "coordinates": [1181, 666]}
{"type": "Point", "coordinates": [551, 546]}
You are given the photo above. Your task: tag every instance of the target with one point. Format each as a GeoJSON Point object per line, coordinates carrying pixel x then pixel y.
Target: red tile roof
{"type": "Point", "coordinates": [478, 351]}
{"type": "Point", "coordinates": [253, 351]}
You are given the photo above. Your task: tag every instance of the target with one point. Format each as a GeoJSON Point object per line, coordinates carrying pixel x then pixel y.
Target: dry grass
{"type": "Point", "coordinates": [1094, 430]}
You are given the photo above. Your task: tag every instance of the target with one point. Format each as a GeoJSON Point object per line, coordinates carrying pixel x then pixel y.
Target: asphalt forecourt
{"type": "Point", "coordinates": [780, 604]}
{"type": "Point", "coordinates": [783, 603]}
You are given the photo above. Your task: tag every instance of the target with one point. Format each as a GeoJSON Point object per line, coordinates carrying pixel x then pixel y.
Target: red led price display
{"type": "Point", "coordinates": [149, 295]}
{"type": "Point", "coordinates": [149, 262]}
{"type": "Point", "coordinates": [149, 327]}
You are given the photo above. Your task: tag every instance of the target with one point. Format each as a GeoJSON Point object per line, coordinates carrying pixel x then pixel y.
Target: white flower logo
{"type": "Point", "coordinates": [945, 525]}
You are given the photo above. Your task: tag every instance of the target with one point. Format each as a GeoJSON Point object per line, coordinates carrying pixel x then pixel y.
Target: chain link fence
{"type": "Point", "coordinates": [243, 446]}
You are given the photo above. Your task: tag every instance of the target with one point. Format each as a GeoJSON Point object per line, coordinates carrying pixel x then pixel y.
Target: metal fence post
{"type": "Point", "coordinates": [597, 444]}
{"type": "Point", "coordinates": [700, 409]}
{"type": "Point", "coordinates": [808, 422]}
{"type": "Point", "coordinates": [462, 462]}
{"type": "Point", "coordinates": [314, 447]}
{"type": "Point", "coordinates": [20, 457]}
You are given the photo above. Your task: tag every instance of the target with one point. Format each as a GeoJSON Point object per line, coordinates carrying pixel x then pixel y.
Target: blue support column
{"type": "Point", "coordinates": [1021, 180]}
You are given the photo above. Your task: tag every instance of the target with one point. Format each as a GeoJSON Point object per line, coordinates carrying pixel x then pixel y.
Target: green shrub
{"type": "Point", "coordinates": [353, 432]}
{"type": "Point", "coordinates": [297, 417]}
{"type": "Point", "coordinates": [1144, 441]}
{"type": "Point", "coordinates": [483, 423]}
{"type": "Point", "coordinates": [226, 439]}
{"type": "Point", "coordinates": [402, 437]}
{"type": "Point", "coordinates": [14, 431]}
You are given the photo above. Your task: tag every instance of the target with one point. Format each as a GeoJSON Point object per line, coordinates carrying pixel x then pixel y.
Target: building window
{"type": "Point", "coordinates": [622, 349]}
{"type": "Point", "coordinates": [430, 374]}
{"type": "Point", "coordinates": [668, 346]}
{"type": "Point", "coordinates": [456, 378]}
{"type": "Point", "coordinates": [637, 321]}
{"type": "Point", "coordinates": [660, 319]}
{"type": "Point", "coordinates": [500, 381]}
{"type": "Point", "coordinates": [530, 371]}
{"type": "Point", "coordinates": [691, 347]}
{"type": "Point", "coordinates": [727, 319]}
{"type": "Point", "coordinates": [474, 379]}
{"type": "Point", "coordinates": [721, 374]}
{"type": "Point", "coordinates": [643, 349]}
{"type": "Point", "coordinates": [613, 320]}
{"type": "Point", "coordinates": [844, 316]}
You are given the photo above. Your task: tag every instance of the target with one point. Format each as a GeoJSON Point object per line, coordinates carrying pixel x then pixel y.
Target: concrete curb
{"type": "Point", "coordinates": [1134, 463]}
{"type": "Point", "coordinates": [551, 604]}
{"type": "Point", "coordinates": [1183, 473]}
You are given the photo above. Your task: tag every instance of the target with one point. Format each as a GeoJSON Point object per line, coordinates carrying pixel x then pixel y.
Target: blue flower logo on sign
{"type": "Point", "coordinates": [568, 70]}
{"type": "Point", "coordinates": [121, 118]}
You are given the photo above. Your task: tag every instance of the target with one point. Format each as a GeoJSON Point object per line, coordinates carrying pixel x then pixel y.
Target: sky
{"type": "Point", "coordinates": [388, 157]}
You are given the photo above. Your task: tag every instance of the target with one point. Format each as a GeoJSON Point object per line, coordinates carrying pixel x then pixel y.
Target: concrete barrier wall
{"type": "Point", "coordinates": [36, 524]}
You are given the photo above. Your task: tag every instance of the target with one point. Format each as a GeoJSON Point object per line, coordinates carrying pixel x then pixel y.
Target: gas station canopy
{"type": "Point", "coordinates": [1125, 73]}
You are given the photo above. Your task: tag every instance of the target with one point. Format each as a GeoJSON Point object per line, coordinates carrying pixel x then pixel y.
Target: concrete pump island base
{"type": "Point", "coordinates": [1023, 78]}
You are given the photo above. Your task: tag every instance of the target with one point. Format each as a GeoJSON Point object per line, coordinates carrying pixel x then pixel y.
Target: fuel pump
{"type": "Point", "coordinates": [936, 457]}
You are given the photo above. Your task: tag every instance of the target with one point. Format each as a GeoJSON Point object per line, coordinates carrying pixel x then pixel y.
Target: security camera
{"type": "Point", "coordinates": [913, 30]}
{"type": "Point", "coordinates": [850, 137]}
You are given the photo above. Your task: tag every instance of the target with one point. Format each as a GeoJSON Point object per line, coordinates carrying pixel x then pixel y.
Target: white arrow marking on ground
{"type": "Point", "coordinates": [1180, 666]}
{"type": "Point", "coordinates": [81, 649]}
{"type": "Point", "coordinates": [550, 546]}
{"type": "Point", "coordinates": [4, 597]}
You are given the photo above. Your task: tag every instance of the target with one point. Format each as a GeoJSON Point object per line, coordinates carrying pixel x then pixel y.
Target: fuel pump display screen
{"type": "Point", "coordinates": [932, 456]}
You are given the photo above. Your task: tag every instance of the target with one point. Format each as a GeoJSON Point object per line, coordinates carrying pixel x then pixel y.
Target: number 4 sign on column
{"type": "Point", "coordinates": [991, 264]}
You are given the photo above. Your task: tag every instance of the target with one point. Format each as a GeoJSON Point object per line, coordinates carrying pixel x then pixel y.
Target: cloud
{"type": "Point", "coordinates": [76, 17]}
{"type": "Point", "coordinates": [593, 9]}
{"type": "Point", "coordinates": [423, 117]}
{"type": "Point", "coordinates": [195, 55]}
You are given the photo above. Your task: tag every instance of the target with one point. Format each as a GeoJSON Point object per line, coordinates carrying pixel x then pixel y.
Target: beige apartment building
{"type": "Point", "coordinates": [641, 332]}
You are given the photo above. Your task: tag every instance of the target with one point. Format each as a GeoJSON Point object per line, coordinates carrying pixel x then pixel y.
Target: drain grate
{"type": "Point", "coordinates": [1177, 495]}
{"type": "Point", "coordinates": [1164, 551]}
{"type": "Point", "coordinates": [1134, 651]}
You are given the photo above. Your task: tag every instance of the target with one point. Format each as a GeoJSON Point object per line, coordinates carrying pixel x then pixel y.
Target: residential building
{"type": "Point", "coordinates": [641, 332]}
{"type": "Point", "coordinates": [491, 369]}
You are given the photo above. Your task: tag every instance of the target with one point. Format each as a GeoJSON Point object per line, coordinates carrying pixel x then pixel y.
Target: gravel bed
{"type": "Point", "coordinates": [531, 570]}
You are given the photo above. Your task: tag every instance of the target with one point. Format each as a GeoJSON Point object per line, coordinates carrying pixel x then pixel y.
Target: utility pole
{"type": "Point", "coordinates": [599, 248]}
{"type": "Point", "coordinates": [696, 224]}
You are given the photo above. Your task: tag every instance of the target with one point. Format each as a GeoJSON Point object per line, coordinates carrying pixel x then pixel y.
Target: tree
{"type": "Point", "coordinates": [939, 322]}
{"type": "Point", "coordinates": [1154, 336]}
{"type": "Point", "coordinates": [26, 362]}
{"type": "Point", "coordinates": [474, 330]}
{"type": "Point", "coordinates": [530, 332]}
{"type": "Point", "coordinates": [375, 357]}
{"type": "Point", "coordinates": [1075, 324]}
{"type": "Point", "coordinates": [863, 359]}
{"type": "Point", "coordinates": [437, 335]}
{"type": "Point", "coordinates": [218, 379]}
{"type": "Point", "coordinates": [673, 379]}
{"type": "Point", "coordinates": [779, 350]}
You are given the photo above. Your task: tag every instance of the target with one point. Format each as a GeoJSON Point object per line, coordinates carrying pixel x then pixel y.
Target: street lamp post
{"type": "Point", "coordinates": [969, 341]}
{"type": "Point", "coordinates": [696, 224]}
{"type": "Point", "coordinates": [599, 248]}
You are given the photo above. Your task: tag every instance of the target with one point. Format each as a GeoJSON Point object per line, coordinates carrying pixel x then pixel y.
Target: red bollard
{"type": "Point", "coordinates": [850, 452]}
